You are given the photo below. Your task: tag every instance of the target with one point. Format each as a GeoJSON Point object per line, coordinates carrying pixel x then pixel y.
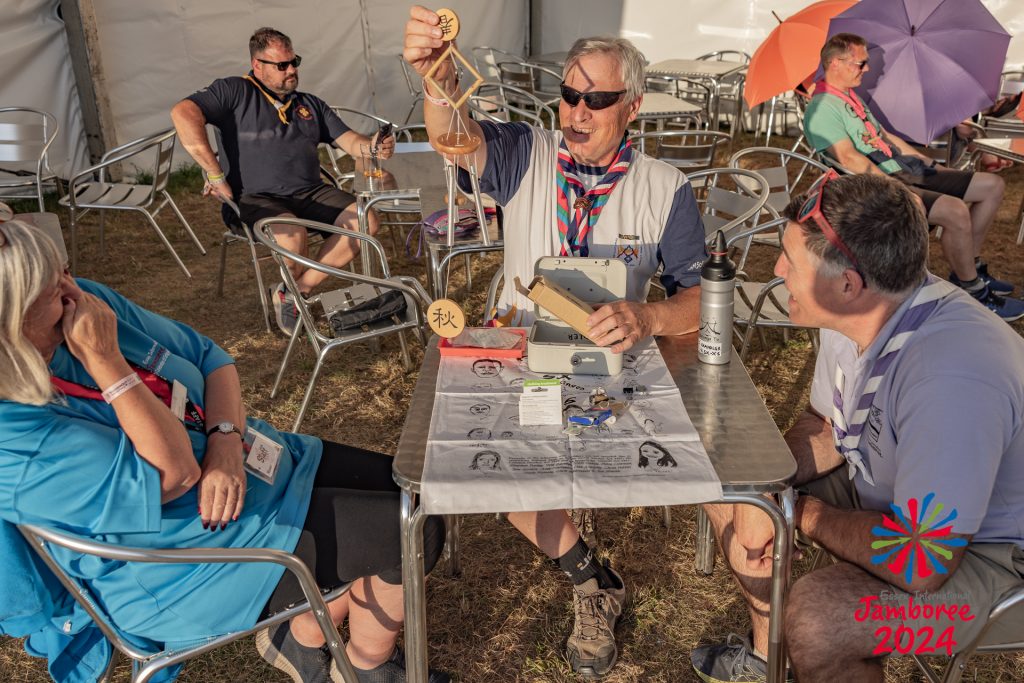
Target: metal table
{"type": "Point", "coordinates": [414, 182]}
{"type": "Point", "coordinates": [1006, 148]}
{"type": "Point", "coordinates": [658, 106]}
{"type": "Point", "coordinates": [745, 447]}
{"type": "Point", "coordinates": [711, 70]}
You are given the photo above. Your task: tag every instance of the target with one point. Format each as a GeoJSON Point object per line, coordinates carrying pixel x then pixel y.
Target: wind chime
{"type": "Point", "coordinates": [457, 145]}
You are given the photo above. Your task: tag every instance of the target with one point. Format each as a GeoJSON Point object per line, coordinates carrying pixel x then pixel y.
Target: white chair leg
{"type": "Point", "coordinates": [167, 244]}
{"type": "Point", "coordinates": [287, 357]}
{"type": "Point", "coordinates": [309, 389]}
{"type": "Point", "coordinates": [188, 228]}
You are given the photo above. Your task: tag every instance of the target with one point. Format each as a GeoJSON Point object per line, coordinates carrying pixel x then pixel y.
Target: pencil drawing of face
{"type": "Point", "coordinates": [486, 367]}
{"type": "Point", "coordinates": [479, 409]}
{"type": "Point", "coordinates": [652, 449]}
{"type": "Point", "coordinates": [486, 460]}
{"type": "Point", "coordinates": [479, 434]}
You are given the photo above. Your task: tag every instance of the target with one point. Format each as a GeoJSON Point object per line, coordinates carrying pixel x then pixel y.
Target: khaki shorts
{"type": "Point", "coordinates": [986, 571]}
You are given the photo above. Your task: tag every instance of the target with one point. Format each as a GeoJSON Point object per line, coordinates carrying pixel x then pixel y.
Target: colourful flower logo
{"type": "Point", "coordinates": [913, 544]}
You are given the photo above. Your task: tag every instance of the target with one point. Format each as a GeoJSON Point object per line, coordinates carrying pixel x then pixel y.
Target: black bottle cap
{"type": "Point", "coordinates": [718, 267]}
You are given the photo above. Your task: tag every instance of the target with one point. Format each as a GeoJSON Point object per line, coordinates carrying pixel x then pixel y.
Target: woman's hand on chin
{"type": "Point", "coordinates": [90, 330]}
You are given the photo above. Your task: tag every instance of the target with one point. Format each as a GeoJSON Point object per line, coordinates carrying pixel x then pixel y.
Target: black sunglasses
{"type": "Point", "coordinates": [283, 66]}
{"type": "Point", "coordinates": [595, 99]}
{"type": "Point", "coordinates": [862, 64]}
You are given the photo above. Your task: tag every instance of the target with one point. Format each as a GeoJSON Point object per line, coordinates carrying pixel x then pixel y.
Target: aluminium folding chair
{"type": "Point", "coordinates": [25, 138]}
{"type": "Point", "coordinates": [89, 189]}
{"type": "Point", "coordinates": [687, 150]}
{"type": "Point", "coordinates": [320, 335]}
{"type": "Point", "coordinates": [1012, 600]}
{"type": "Point", "coordinates": [147, 663]}
{"type": "Point", "coordinates": [503, 103]}
{"type": "Point", "coordinates": [731, 89]}
{"type": "Point", "coordinates": [534, 79]}
{"type": "Point", "coordinates": [486, 59]}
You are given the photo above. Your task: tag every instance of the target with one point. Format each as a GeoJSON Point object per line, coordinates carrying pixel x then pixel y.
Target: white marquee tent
{"type": "Point", "coordinates": [154, 52]}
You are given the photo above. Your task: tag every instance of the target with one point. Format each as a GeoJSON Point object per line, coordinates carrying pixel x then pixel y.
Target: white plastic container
{"type": "Point", "coordinates": [553, 346]}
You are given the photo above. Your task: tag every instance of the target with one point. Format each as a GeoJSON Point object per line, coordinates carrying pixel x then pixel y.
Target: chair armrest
{"type": "Point", "coordinates": [142, 143]}
{"type": "Point", "coordinates": [773, 224]}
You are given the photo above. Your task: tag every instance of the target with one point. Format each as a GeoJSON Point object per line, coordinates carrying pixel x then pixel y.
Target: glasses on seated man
{"type": "Point", "coordinates": [283, 66]}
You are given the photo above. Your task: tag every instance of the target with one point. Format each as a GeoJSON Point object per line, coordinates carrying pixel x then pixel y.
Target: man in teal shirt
{"type": "Point", "coordinates": [963, 203]}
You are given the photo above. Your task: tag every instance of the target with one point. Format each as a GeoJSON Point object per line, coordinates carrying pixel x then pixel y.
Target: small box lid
{"type": "Point", "coordinates": [594, 280]}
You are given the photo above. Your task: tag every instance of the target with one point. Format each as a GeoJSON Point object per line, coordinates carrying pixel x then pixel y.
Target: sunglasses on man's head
{"type": "Point", "coordinates": [811, 211]}
{"type": "Point", "coordinates": [283, 66]}
{"type": "Point", "coordinates": [595, 99]}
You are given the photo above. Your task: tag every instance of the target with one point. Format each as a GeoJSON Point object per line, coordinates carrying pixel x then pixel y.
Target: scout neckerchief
{"type": "Point", "coordinates": [572, 228]}
{"type": "Point", "coordinates": [280, 106]}
{"type": "Point", "coordinates": [194, 417]}
{"type": "Point", "coordinates": [847, 436]}
{"type": "Point", "coordinates": [874, 136]}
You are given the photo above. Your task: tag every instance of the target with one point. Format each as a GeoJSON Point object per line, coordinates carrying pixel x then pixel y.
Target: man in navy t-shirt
{"type": "Point", "coordinates": [270, 134]}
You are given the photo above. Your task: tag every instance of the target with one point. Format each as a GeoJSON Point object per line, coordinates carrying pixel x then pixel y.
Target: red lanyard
{"type": "Point", "coordinates": [161, 388]}
{"type": "Point", "coordinates": [873, 138]}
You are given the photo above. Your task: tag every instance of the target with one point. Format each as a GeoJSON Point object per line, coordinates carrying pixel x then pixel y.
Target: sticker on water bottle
{"type": "Point", "coordinates": [709, 341]}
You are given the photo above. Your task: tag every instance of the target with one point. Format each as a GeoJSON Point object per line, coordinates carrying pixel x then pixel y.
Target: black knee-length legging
{"type": "Point", "coordinates": [352, 528]}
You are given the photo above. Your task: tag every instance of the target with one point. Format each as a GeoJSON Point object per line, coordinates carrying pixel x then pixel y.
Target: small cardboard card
{"type": "Point", "coordinates": [541, 402]}
{"type": "Point", "coordinates": [558, 302]}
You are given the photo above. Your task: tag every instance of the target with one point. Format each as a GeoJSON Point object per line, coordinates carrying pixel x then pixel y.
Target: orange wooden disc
{"type": "Point", "coordinates": [457, 143]}
{"type": "Point", "coordinates": [445, 318]}
{"type": "Point", "coordinates": [449, 24]}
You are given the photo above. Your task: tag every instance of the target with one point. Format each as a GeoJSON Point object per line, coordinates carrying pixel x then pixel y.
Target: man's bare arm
{"type": "Point", "coordinates": [191, 126]}
{"type": "Point", "coordinates": [846, 154]}
{"type": "Point", "coordinates": [810, 441]}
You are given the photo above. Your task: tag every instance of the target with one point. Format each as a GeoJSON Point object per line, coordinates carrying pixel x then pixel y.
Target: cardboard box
{"type": "Point", "coordinates": [558, 302]}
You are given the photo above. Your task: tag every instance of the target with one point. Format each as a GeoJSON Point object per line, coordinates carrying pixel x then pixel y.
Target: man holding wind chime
{"type": "Point", "coordinates": [580, 191]}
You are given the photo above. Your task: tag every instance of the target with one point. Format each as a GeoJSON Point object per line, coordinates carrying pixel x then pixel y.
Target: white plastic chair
{"type": "Point", "coordinates": [89, 189]}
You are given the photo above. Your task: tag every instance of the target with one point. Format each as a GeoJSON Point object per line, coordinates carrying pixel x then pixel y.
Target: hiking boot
{"type": "Point", "coordinates": [591, 646]}
{"type": "Point", "coordinates": [304, 664]}
{"type": "Point", "coordinates": [391, 671]}
{"type": "Point", "coordinates": [285, 311]}
{"type": "Point", "coordinates": [733, 661]}
{"type": "Point", "coordinates": [995, 286]}
{"type": "Point", "coordinates": [1006, 308]}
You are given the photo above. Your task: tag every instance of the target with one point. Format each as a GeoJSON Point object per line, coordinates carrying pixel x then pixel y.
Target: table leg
{"type": "Point", "coordinates": [781, 514]}
{"type": "Point", "coordinates": [364, 227]}
{"type": "Point", "coordinates": [414, 589]}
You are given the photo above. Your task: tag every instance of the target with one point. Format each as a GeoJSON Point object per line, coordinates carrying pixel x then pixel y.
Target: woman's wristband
{"type": "Point", "coordinates": [120, 386]}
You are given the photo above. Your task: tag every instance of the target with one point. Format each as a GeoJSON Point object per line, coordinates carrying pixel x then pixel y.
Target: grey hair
{"type": "Point", "coordinates": [264, 38]}
{"type": "Point", "coordinates": [29, 263]}
{"type": "Point", "coordinates": [879, 220]}
{"type": "Point", "coordinates": [631, 60]}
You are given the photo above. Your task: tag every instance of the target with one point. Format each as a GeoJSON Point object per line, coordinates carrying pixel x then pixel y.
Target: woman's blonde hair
{"type": "Point", "coordinates": [29, 263]}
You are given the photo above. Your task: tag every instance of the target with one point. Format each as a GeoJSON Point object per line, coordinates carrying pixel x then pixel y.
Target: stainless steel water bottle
{"type": "Point", "coordinates": [717, 293]}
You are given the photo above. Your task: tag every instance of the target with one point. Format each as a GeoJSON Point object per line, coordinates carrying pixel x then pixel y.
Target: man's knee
{"type": "Point", "coordinates": [987, 186]}
{"type": "Point", "coordinates": [951, 213]}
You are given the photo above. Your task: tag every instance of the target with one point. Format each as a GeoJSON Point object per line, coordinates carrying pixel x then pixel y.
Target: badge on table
{"type": "Point", "coordinates": [445, 318]}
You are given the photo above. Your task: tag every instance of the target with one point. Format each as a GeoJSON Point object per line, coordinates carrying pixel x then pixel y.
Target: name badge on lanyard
{"type": "Point", "coordinates": [628, 250]}
{"type": "Point", "coordinates": [262, 455]}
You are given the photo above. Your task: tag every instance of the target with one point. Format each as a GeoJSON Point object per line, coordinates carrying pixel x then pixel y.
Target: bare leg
{"type": "Point", "coordinates": [826, 642]}
{"type": "Point", "coordinates": [293, 238]}
{"type": "Point", "coordinates": [338, 251]}
{"type": "Point", "coordinates": [552, 530]}
{"type": "Point", "coordinates": [745, 535]}
{"type": "Point", "coordinates": [375, 614]}
{"type": "Point", "coordinates": [985, 194]}
{"type": "Point", "coordinates": [958, 239]}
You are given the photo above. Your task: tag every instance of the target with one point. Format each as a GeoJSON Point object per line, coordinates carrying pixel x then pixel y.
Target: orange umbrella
{"type": "Point", "coordinates": [791, 52]}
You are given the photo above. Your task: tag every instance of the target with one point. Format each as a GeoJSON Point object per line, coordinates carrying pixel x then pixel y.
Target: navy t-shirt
{"type": "Point", "coordinates": [261, 153]}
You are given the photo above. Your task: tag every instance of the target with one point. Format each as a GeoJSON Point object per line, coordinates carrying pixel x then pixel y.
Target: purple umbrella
{"type": "Point", "coordinates": [933, 62]}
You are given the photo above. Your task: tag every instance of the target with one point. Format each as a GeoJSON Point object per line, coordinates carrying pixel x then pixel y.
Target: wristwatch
{"type": "Point", "coordinates": [224, 428]}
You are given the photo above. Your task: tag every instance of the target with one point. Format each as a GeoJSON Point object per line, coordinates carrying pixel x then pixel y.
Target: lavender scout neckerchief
{"type": "Point", "coordinates": [847, 436]}
{"type": "Point", "coordinates": [574, 230]}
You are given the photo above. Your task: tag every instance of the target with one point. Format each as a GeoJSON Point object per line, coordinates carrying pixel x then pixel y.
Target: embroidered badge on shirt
{"type": "Point", "coordinates": [627, 250]}
{"type": "Point", "coordinates": [303, 113]}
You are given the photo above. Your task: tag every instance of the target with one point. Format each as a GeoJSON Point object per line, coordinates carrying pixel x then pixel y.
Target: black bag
{"type": "Point", "coordinates": [383, 306]}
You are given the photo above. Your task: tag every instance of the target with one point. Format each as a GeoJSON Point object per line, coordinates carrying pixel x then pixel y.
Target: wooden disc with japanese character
{"type": "Point", "coordinates": [449, 24]}
{"type": "Point", "coordinates": [445, 318]}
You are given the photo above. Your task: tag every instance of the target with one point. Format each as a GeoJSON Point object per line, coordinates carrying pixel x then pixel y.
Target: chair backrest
{"type": "Point", "coordinates": [688, 150]}
{"type": "Point", "coordinates": [786, 172]}
{"type": "Point", "coordinates": [486, 61]}
{"type": "Point", "coordinates": [360, 121]}
{"type": "Point", "coordinates": [148, 662]}
{"type": "Point", "coordinates": [499, 102]}
{"type": "Point", "coordinates": [687, 89]}
{"type": "Point", "coordinates": [726, 203]}
{"type": "Point", "coordinates": [533, 78]}
{"type": "Point", "coordinates": [160, 145]}
{"type": "Point", "coordinates": [411, 77]}
{"type": "Point", "coordinates": [25, 138]}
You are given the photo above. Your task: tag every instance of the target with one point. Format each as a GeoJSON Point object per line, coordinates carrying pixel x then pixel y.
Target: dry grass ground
{"type": "Point", "coordinates": [506, 618]}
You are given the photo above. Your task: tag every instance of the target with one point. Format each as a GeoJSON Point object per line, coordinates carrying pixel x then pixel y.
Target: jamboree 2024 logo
{"type": "Point", "coordinates": [911, 546]}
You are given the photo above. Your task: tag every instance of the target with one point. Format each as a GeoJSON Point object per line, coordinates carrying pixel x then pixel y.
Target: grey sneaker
{"type": "Point", "coordinates": [591, 646]}
{"type": "Point", "coordinates": [391, 671]}
{"type": "Point", "coordinates": [733, 661]}
{"type": "Point", "coordinates": [284, 309]}
{"type": "Point", "coordinates": [282, 651]}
